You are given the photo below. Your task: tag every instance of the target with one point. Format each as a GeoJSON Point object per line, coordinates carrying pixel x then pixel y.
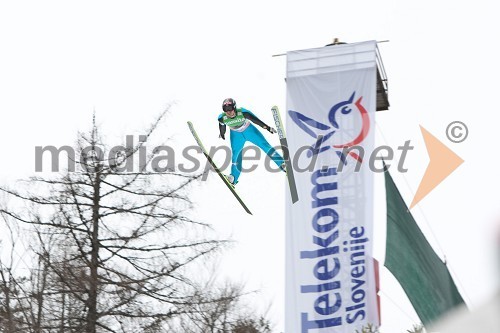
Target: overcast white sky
{"type": "Point", "coordinates": [61, 60]}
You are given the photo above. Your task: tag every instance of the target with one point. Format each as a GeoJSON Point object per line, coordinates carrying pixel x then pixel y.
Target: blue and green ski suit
{"type": "Point", "coordinates": [241, 132]}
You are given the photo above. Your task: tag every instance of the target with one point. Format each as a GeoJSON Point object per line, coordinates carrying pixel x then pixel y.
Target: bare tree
{"type": "Point", "coordinates": [14, 311]}
{"type": "Point", "coordinates": [115, 246]}
{"type": "Point", "coordinates": [222, 309]}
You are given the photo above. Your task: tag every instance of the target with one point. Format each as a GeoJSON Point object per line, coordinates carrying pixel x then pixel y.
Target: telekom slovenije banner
{"type": "Point", "coordinates": [331, 101]}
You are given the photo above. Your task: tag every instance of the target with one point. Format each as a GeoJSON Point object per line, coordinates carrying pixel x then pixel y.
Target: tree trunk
{"type": "Point", "coordinates": [94, 260]}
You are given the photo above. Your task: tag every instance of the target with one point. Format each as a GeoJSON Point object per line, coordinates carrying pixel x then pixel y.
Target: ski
{"type": "Point", "coordinates": [286, 155]}
{"type": "Point", "coordinates": [214, 166]}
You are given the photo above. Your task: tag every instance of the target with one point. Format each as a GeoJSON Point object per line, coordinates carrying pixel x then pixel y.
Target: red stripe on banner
{"type": "Point", "coordinates": [377, 288]}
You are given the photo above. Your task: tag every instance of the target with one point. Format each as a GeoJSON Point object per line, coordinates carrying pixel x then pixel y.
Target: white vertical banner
{"type": "Point", "coordinates": [331, 103]}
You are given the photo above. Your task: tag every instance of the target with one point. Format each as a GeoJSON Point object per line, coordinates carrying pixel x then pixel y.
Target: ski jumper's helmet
{"type": "Point", "coordinates": [228, 104]}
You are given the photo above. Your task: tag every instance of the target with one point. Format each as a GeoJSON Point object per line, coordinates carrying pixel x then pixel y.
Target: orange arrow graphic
{"type": "Point", "coordinates": [442, 162]}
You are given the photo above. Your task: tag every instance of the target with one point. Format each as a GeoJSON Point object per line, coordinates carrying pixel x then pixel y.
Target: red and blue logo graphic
{"type": "Point", "coordinates": [323, 132]}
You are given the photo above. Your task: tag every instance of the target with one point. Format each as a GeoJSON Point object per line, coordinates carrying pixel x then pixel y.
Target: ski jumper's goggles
{"type": "Point", "coordinates": [228, 106]}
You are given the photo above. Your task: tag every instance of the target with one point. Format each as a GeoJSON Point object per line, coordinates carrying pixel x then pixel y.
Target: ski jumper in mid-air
{"type": "Point", "coordinates": [241, 131]}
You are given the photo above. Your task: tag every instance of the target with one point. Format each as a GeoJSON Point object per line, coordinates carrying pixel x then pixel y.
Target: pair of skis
{"type": "Point", "coordinates": [284, 147]}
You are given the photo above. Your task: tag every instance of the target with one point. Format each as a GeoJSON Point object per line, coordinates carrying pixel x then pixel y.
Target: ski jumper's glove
{"type": "Point", "coordinates": [270, 129]}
